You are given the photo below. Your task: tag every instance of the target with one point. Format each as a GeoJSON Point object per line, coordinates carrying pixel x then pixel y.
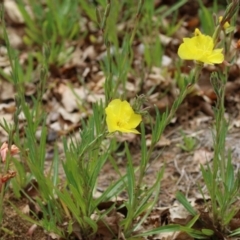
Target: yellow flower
{"type": "Point", "coordinates": [226, 24]}
{"type": "Point", "coordinates": [200, 48]}
{"type": "Point", "coordinates": [121, 117]}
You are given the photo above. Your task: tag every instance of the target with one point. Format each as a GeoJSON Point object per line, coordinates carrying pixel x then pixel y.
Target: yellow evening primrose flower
{"type": "Point", "coordinates": [200, 48]}
{"type": "Point", "coordinates": [121, 117]}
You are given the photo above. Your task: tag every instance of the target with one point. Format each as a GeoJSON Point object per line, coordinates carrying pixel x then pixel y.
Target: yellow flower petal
{"type": "Point", "coordinates": [187, 50]}
{"type": "Point", "coordinates": [197, 32]}
{"type": "Point", "coordinates": [112, 123]}
{"type": "Point", "coordinates": [216, 56]}
{"type": "Point", "coordinates": [126, 110]}
{"type": "Point", "coordinates": [113, 107]}
{"type": "Point", "coordinates": [126, 130]}
{"type": "Point", "coordinates": [134, 120]}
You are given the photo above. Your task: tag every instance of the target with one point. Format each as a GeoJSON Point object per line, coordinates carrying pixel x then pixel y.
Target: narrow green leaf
{"type": "Point", "coordinates": [182, 199]}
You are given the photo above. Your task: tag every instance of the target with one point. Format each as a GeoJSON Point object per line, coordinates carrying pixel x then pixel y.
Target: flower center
{"type": "Point", "coordinates": [121, 123]}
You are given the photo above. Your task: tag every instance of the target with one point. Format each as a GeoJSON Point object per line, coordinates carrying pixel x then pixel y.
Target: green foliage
{"type": "Point", "coordinates": [182, 199]}
{"type": "Point", "coordinates": [172, 11]}
{"type": "Point", "coordinates": [196, 234]}
{"type": "Point", "coordinates": [141, 199]}
{"type": "Point", "coordinates": [189, 143]}
{"type": "Point", "coordinates": [219, 177]}
{"type": "Point", "coordinates": [207, 22]}
{"type": "Point", "coordinates": [82, 166]}
{"type": "Point", "coordinates": [72, 199]}
{"type": "Point", "coordinates": [50, 26]}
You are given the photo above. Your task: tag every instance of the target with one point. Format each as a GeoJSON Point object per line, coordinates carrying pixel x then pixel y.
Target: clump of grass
{"type": "Point", "coordinates": [189, 143]}
{"type": "Point", "coordinates": [83, 160]}
{"type": "Point", "coordinates": [55, 24]}
{"type": "Point", "coordinates": [219, 178]}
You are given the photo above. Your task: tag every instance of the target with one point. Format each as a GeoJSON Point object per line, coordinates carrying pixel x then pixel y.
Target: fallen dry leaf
{"type": "Point", "coordinates": [13, 12]}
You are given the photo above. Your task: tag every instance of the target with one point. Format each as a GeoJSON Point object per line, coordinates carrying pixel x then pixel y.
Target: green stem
{"type": "Point", "coordinates": [219, 158]}
{"type": "Point", "coordinates": [134, 30]}
{"type": "Point", "coordinates": [175, 107]}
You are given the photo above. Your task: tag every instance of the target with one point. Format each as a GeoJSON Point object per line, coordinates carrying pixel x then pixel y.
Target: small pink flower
{"type": "Point", "coordinates": [4, 150]}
